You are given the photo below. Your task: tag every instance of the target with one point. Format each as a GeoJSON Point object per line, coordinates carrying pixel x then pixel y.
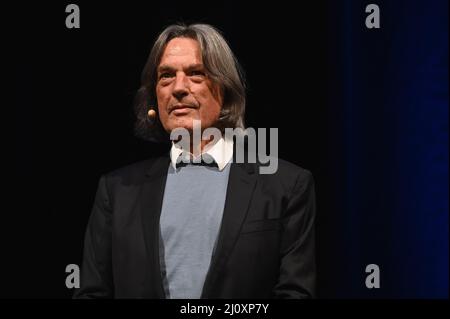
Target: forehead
{"type": "Point", "coordinates": [181, 50]}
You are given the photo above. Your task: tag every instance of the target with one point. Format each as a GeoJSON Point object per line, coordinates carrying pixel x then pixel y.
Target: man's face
{"type": "Point", "coordinates": [183, 90]}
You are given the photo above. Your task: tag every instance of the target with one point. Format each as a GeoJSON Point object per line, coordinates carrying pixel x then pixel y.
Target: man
{"type": "Point", "coordinates": [162, 228]}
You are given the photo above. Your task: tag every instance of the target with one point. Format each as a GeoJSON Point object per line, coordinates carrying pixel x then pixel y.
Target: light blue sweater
{"type": "Point", "coordinates": [191, 216]}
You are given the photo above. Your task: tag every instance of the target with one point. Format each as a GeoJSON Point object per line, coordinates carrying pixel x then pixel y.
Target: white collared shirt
{"type": "Point", "coordinates": [221, 152]}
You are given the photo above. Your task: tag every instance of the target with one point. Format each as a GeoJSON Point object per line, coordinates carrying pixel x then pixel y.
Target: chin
{"type": "Point", "coordinates": [186, 123]}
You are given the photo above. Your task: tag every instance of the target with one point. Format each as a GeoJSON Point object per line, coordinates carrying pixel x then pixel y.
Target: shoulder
{"type": "Point", "coordinates": [283, 169]}
{"type": "Point", "coordinates": [136, 172]}
{"type": "Point", "coordinates": [287, 176]}
{"type": "Point", "coordinates": [287, 169]}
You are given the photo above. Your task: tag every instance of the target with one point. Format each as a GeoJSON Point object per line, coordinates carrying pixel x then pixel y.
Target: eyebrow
{"type": "Point", "coordinates": [168, 68]}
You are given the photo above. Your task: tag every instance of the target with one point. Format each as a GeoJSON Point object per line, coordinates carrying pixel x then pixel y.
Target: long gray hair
{"type": "Point", "coordinates": [221, 67]}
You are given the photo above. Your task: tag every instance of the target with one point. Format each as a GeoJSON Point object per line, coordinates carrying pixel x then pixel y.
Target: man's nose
{"type": "Point", "coordinates": [181, 86]}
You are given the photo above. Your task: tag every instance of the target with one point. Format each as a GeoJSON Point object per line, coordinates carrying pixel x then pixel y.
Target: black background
{"type": "Point", "coordinates": [72, 120]}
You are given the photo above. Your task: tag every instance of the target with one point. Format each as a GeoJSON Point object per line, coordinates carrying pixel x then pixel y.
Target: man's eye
{"type": "Point", "coordinates": [165, 75]}
{"type": "Point", "coordinates": [197, 73]}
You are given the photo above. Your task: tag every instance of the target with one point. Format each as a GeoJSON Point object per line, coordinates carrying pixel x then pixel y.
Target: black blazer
{"type": "Point", "coordinates": [265, 247]}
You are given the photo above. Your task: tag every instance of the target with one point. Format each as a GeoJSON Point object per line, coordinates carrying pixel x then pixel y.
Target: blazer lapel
{"type": "Point", "coordinates": [241, 184]}
{"type": "Point", "coordinates": [150, 203]}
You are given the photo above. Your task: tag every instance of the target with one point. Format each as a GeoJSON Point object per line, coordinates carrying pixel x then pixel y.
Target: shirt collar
{"type": "Point", "coordinates": [221, 152]}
